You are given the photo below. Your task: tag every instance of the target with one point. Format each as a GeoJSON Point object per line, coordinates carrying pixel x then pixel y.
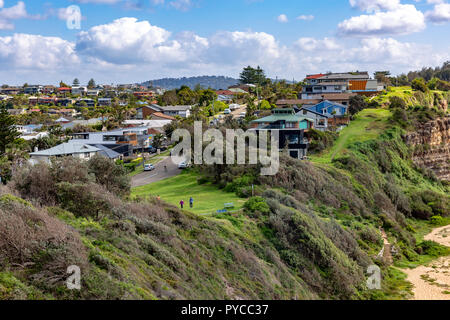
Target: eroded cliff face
{"type": "Point", "coordinates": [431, 144]}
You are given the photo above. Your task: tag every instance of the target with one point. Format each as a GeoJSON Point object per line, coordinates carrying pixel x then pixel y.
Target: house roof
{"type": "Point", "coordinates": [67, 148]}
{"type": "Point", "coordinates": [62, 120]}
{"type": "Point", "coordinates": [162, 115]}
{"type": "Point", "coordinates": [107, 152]}
{"type": "Point", "coordinates": [282, 117]}
{"type": "Point", "coordinates": [337, 96]}
{"type": "Point", "coordinates": [314, 76]}
{"type": "Point", "coordinates": [312, 111]}
{"type": "Point", "coordinates": [297, 101]}
{"type": "Point", "coordinates": [176, 108]}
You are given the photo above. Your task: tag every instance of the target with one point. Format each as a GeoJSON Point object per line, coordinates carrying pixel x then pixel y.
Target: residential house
{"type": "Point", "coordinates": [291, 129]}
{"type": "Point", "coordinates": [320, 120]}
{"type": "Point", "coordinates": [337, 113]}
{"type": "Point", "coordinates": [92, 92]}
{"type": "Point", "coordinates": [134, 138]}
{"type": "Point", "coordinates": [145, 111]}
{"type": "Point", "coordinates": [79, 91]}
{"type": "Point", "coordinates": [47, 100]}
{"type": "Point", "coordinates": [49, 89]}
{"type": "Point", "coordinates": [64, 102]}
{"type": "Point", "coordinates": [104, 101]}
{"type": "Point", "coordinates": [181, 111]}
{"type": "Point", "coordinates": [11, 90]}
{"type": "Point", "coordinates": [32, 89]}
{"type": "Point", "coordinates": [143, 94]}
{"type": "Point", "coordinates": [32, 101]}
{"type": "Point", "coordinates": [71, 148]}
{"type": "Point", "coordinates": [86, 102]}
{"type": "Point", "coordinates": [64, 91]}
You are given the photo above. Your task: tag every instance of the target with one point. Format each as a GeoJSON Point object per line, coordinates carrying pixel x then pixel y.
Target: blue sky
{"type": "Point", "coordinates": [124, 41]}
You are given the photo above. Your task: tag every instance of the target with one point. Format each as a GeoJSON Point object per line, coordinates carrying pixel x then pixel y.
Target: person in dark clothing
{"type": "Point", "coordinates": [191, 202]}
{"type": "Point", "coordinates": [181, 204]}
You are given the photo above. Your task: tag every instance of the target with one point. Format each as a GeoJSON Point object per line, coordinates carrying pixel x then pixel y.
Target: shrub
{"type": "Point", "coordinates": [257, 205]}
{"type": "Point", "coordinates": [419, 85]}
{"type": "Point", "coordinates": [397, 102]}
{"type": "Point", "coordinates": [110, 175]}
{"type": "Point", "coordinates": [437, 220]}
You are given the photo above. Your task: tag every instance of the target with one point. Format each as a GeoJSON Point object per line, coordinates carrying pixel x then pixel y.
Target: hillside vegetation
{"type": "Point", "coordinates": [309, 232]}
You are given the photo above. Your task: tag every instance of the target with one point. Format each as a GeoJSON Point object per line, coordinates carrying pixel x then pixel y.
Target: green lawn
{"type": "Point", "coordinates": [367, 125]}
{"type": "Point", "coordinates": [207, 197]}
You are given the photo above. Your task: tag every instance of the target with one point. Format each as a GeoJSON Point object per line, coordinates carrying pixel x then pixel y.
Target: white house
{"type": "Point", "coordinates": [79, 91]}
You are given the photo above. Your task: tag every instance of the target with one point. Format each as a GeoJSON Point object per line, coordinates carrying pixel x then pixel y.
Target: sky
{"type": "Point", "coordinates": [129, 41]}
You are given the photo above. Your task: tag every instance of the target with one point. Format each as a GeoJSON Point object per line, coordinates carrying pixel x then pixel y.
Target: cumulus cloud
{"type": "Point", "coordinates": [26, 51]}
{"type": "Point", "coordinates": [402, 19]}
{"type": "Point", "coordinates": [129, 50]}
{"type": "Point", "coordinates": [305, 17]}
{"type": "Point", "coordinates": [282, 18]}
{"type": "Point", "coordinates": [440, 13]}
{"type": "Point", "coordinates": [127, 41]}
{"type": "Point", "coordinates": [374, 5]}
{"type": "Point", "coordinates": [1, 3]}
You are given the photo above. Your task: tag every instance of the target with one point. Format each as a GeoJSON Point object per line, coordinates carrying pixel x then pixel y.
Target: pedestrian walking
{"type": "Point", "coordinates": [191, 202]}
{"type": "Point", "coordinates": [181, 204]}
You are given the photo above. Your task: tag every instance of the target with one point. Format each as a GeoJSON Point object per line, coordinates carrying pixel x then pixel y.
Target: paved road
{"type": "Point", "coordinates": [158, 174]}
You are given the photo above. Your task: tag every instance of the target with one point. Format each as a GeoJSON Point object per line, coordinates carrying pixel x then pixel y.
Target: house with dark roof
{"type": "Point", "coordinates": [291, 129]}
{"type": "Point", "coordinates": [320, 120]}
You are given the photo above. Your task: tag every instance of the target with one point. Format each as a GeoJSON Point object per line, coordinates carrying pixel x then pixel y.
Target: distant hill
{"type": "Point", "coordinates": [214, 82]}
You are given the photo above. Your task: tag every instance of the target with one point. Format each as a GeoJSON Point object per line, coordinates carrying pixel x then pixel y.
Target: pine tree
{"type": "Point", "coordinates": [8, 132]}
{"type": "Point", "coordinates": [91, 84]}
{"type": "Point", "coordinates": [76, 82]}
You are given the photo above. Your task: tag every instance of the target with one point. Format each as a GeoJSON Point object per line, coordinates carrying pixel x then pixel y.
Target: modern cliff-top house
{"type": "Point", "coordinates": [291, 129]}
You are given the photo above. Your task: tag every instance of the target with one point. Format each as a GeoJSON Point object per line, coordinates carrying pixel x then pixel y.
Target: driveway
{"type": "Point", "coordinates": [158, 174]}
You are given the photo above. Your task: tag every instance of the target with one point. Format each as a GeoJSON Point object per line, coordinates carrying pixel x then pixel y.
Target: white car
{"type": "Point", "coordinates": [227, 111]}
{"type": "Point", "coordinates": [149, 167]}
{"type": "Point", "coordinates": [234, 106]}
{"type": "Point", "coordinates": [183, 165]}
{"type": "Point", "coordinates": [242, 114]}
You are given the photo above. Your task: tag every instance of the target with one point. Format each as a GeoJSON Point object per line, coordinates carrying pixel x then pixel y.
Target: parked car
{"type": "Point", "coordinates": [183, 165]}
{"type": "Point", "coordinates": [242, 114]}
{"type": "Point", "coordinates": [234, 106]}
{"type": "Point", "coordinates": [149, 167]}
{"type": "Point", "coordinates": [227, 111]}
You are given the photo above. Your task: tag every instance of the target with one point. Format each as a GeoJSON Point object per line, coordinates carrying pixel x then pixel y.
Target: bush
{"type": "Point", "coordinates": [437, 220]}
{"type": "Point", "coordinates": [419, 85]}
{"type": "Point", "coordinates": [257, 205]}
{"type": "Point", "coordinates": [110, 175]}
{"type": "Point", "coordinates": [397, 102]}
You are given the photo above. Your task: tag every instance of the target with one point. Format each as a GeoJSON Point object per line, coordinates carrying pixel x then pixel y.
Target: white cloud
{"type": "Point", "coordinates": [128, 41]}
{"type": "Point", "coordinates": [99, 1]}
{"type": "Point", "coordinates": [182, 5]}
{"type": "Point", "coordinates": [25, 51]}
{"type": "Point", "coordinates": [282, 18]}
{"type": "Point", "coordinates": [440, 13]}
{"type": "Point", "coordinates": [1, 3]}
{"type": "Point", "coordinates": [374, 5]}
{"type": "Point", "coordinates": [312, 44]}
{"type": "Point", "coordinates": [403, 19]}
{"type": "Point", "coordinates": [305, 17]}
{"type": "Point", "coordinates": [128, 50]}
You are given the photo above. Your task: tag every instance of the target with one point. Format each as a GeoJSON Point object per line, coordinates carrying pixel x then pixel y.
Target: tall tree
{"type": "Point", "coordinates": [76, 82]}
{"type": "Point", "coordinates": [91, 84]}
{"type": "Point", "coordinates": [251, 75]}
{"type": "Point", "coordinates": [8, 132]}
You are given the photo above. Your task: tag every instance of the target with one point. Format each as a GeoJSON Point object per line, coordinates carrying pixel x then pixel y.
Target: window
{"type": "Point", "coordinates": [290, 124]}
{"type": "Point", "coordinates": [305, 112]}
{"type": "Point", "coordinates": [87, 155]}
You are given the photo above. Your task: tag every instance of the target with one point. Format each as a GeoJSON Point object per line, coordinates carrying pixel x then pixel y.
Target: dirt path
{"type": "Point", "coordinates": [432, 281]}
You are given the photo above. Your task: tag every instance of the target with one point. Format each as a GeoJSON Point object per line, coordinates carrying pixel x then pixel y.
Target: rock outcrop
{"type": "Point", "coordinates": [431, 144]}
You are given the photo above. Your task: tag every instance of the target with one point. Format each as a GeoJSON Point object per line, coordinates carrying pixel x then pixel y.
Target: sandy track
{"type": "Point", "coordinates": [431, 282]}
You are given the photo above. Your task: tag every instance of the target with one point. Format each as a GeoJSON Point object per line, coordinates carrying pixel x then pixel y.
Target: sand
{"type": "Point", "coordinates": [432, 282]}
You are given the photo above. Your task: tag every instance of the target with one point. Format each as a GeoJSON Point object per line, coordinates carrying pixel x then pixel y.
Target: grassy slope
{"type": "Point", "coordinates": [207, 198]}
{"type": "Point", "coordinates": [368, 125]}
{"type": "Point", "coordinates": [406, 93]}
